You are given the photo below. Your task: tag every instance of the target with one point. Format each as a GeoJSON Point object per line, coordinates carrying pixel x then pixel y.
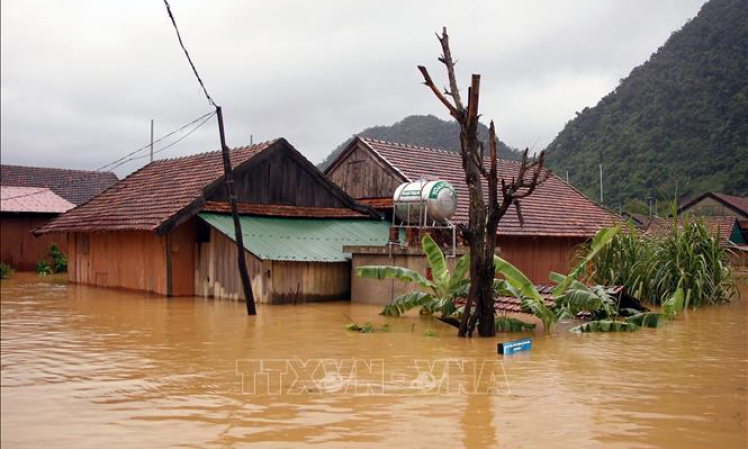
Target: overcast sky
{"type": "Point", "coordinates": [82, 79]}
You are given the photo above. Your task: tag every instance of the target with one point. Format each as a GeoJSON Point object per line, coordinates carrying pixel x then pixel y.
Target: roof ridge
{"type": "Point", "coordinates": [265, 143]}
{"type": "Point", "coordinates": [420, 147]}
{"type": "Point", "coordinates": [407, 145]}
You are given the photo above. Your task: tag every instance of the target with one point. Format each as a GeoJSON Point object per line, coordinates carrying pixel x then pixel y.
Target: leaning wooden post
{"type": "Point", "coordinates": [229, 181]}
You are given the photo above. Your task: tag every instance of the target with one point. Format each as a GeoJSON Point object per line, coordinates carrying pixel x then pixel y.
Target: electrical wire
{"type": "Point", "coordinates": [166, 136]}
{"type": "Point", "coordinates": [125, 159]}
{"type": "Point", "coordinates": [186, 53]}
{"type": "Point", "coordinates": [131, 156]}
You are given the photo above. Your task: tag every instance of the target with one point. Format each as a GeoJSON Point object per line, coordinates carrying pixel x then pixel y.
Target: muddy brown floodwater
{"type": "Point", "coordinates": [87, 367]}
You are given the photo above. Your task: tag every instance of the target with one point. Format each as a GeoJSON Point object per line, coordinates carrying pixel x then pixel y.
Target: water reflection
{"type": "Point", "coordinates": [87, 367]}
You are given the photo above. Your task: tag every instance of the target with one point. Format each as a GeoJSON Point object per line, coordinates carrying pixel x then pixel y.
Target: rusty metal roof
{"type": "Point", "coordinates": [32, 199]}
{"type": "Point", "coordinates": [301, 239]}
{"type": "Point", "coordinates": [279, 210]}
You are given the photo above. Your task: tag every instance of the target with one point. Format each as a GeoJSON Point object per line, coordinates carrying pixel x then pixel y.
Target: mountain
{"type": "Point", "coordinates": [423, 130]}
{"type": "Point", "coordinates": [678, 121]}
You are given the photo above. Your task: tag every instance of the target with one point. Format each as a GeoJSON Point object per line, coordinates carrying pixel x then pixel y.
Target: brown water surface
{"type": "Point", "coordinates": [87, 367]}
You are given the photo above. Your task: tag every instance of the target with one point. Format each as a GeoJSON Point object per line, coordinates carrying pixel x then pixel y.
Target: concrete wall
{"type": "Point", "coordinates": [374, 291]}
{"type": "Point", "coordinates": [536, 257]}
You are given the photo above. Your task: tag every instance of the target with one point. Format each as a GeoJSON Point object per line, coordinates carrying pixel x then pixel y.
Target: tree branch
{"type": "Point", "coordinates": [446, 59]}
{"type": "Point", "coordinates": [453, 111]}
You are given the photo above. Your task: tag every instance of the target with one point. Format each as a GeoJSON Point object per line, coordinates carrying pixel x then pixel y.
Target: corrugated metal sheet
{"type": "Point", "coordinates": [302, 239]}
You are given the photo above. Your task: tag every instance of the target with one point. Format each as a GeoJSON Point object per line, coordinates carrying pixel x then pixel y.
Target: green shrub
{"type": "Point", "coordinates": [59, 259]}
{"type": "Point", "coordinates": [43, 268]}
{"type": "Point", "coordinates": [653, 268]}
{"type": "Point", "coordinates": [5, 270]}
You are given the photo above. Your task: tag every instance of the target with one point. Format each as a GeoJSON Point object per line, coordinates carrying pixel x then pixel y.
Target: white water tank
{"type": "Point", "coordinates": [438, 197]}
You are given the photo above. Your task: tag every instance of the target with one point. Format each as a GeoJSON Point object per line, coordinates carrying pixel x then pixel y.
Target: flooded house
{"type": "Point", "coordinates": [166, 229]}
{"type": "Point", "coordinates": [556, 217]}
{"type": "Point", "coordinates": [714, 204]}
{"type": "Point", "coordinates": [725, 215]}
{"type": "Point", "coordinates": [32, 196]}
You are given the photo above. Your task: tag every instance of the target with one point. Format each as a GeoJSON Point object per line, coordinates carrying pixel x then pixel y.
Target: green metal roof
{"type": "Point", "coordinates": [301, 239]}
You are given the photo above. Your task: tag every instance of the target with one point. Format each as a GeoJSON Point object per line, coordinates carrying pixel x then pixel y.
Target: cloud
{"type": "Point", "coordinates": [80, 80]}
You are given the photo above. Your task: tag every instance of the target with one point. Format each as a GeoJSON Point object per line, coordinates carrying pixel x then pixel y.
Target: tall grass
{"type": "Point", "coordinates": [689, 256]}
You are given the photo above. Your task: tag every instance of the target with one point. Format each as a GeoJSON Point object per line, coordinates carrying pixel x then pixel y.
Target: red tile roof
{"type": "Point", "coordinates": [512, 304]}
{"type": "Point", "coordinates": [722, 226]}
{"type": "Point", "coordinates": [32, 199]}
{"type": "Point", "coordinates": [275, 210]}
{"type": "Point", "coordinates": [76, 186]}
{"type": "Point", "coordinates": [150, 196]}
{"type": "Point", "coordinates": [554, 209]}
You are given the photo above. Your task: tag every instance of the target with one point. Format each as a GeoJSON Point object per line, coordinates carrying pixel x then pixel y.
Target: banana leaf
{"type": "Point", "coordinates": [605, 326]}
{"type": "Point", "coordinates": [387, 272]}
{"type": "Point", "coordinates": [674, 305]}
{"type": "Point", "coordinates": [516, 279]}
{"type": "Point", "coordinates": [436, 261]}
{"type": "Point", "coordinates": [405, 302]}
{"type": "Point", "coordinates": [580, 298]}
{"type": "Point", "coordinates": [461, 270]}
{"type": "Point", "coordinates": [599, 242]}
{"type": "Point", "coordinates": [506, 324]}
{"type": "Point", "coordinates": [645, 319]}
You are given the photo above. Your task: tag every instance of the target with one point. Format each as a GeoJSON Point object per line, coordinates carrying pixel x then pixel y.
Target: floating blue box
{"type": "Point", "coordinates": [510, 347]}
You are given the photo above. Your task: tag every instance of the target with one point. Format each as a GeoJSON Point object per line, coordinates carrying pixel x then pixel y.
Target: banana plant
{"type": "Point", "coordinates": [601, 239]}
{"type": "Point", "coordinates": [523, 288]}
{"type": "Point", "coordinates": [441, 290]}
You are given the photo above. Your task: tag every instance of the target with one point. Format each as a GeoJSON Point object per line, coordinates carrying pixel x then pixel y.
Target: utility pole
{"type": "Point", "coordinates": [567, 176]}
{"type": "Point", "coordinates": [151, 140]}
{"type": "Point", "coordinates": [601, 184]}
{"type": "Point", "coordinates": [229, 181]}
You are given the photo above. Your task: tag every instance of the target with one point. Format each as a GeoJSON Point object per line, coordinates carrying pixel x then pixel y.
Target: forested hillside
{"type": "Point", "coordinates": [423, 130]}
{"type": "Point", "coordinates": [680, 119]}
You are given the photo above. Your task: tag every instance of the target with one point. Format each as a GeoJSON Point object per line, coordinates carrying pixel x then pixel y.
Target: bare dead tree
{"type": "Point", "coordinates": [485, 212]}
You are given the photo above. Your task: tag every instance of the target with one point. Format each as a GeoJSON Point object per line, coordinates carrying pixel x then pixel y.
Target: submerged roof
{"type": "Point", "coordinates": [148, 197]}
{"type": "Point", "coordinates": [554, 209]}
{"type": "Point", "coordinates": [76, 186]}
{"type": "Point", "coordinates": [32, 199]}
{"type": "Point", "coordinates": [301, 239]}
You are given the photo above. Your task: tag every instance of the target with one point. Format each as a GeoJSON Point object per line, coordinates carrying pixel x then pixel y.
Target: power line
{"type": "Point", "coordinates": [186, 53]}
{"type": "Point", "coordinates": [126, 158]}
{"type": "Point", "coordinates": [206, 119]}
{"type": "Point", "coordinates": [166, 136]}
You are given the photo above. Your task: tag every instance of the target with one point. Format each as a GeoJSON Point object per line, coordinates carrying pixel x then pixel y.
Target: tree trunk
{"type": "Point", "coordinates": [483, 219]}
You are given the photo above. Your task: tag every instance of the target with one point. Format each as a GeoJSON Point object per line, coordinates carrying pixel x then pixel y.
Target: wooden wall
{"type": "Point", "coordinates": [129, 259]}
{"type": "Point", "coordinates": [362, 175]}
{"type": "Point", "coordinates": [294, 282]}
{"type": "Point", "coordinates": [273, 282]}
{"type": "Point", "coordinates": [183, 241]}
{"type": "Point", "coordinates": [19, 247]}
{"type": "Point", "coordinates": [280, 179]}
{"type": "Point", "coordinates": [710, 207]}
{"type": "Point", "coordinates": [538, 256]}
{"type": "Point", "coordinates": [135, 260]}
